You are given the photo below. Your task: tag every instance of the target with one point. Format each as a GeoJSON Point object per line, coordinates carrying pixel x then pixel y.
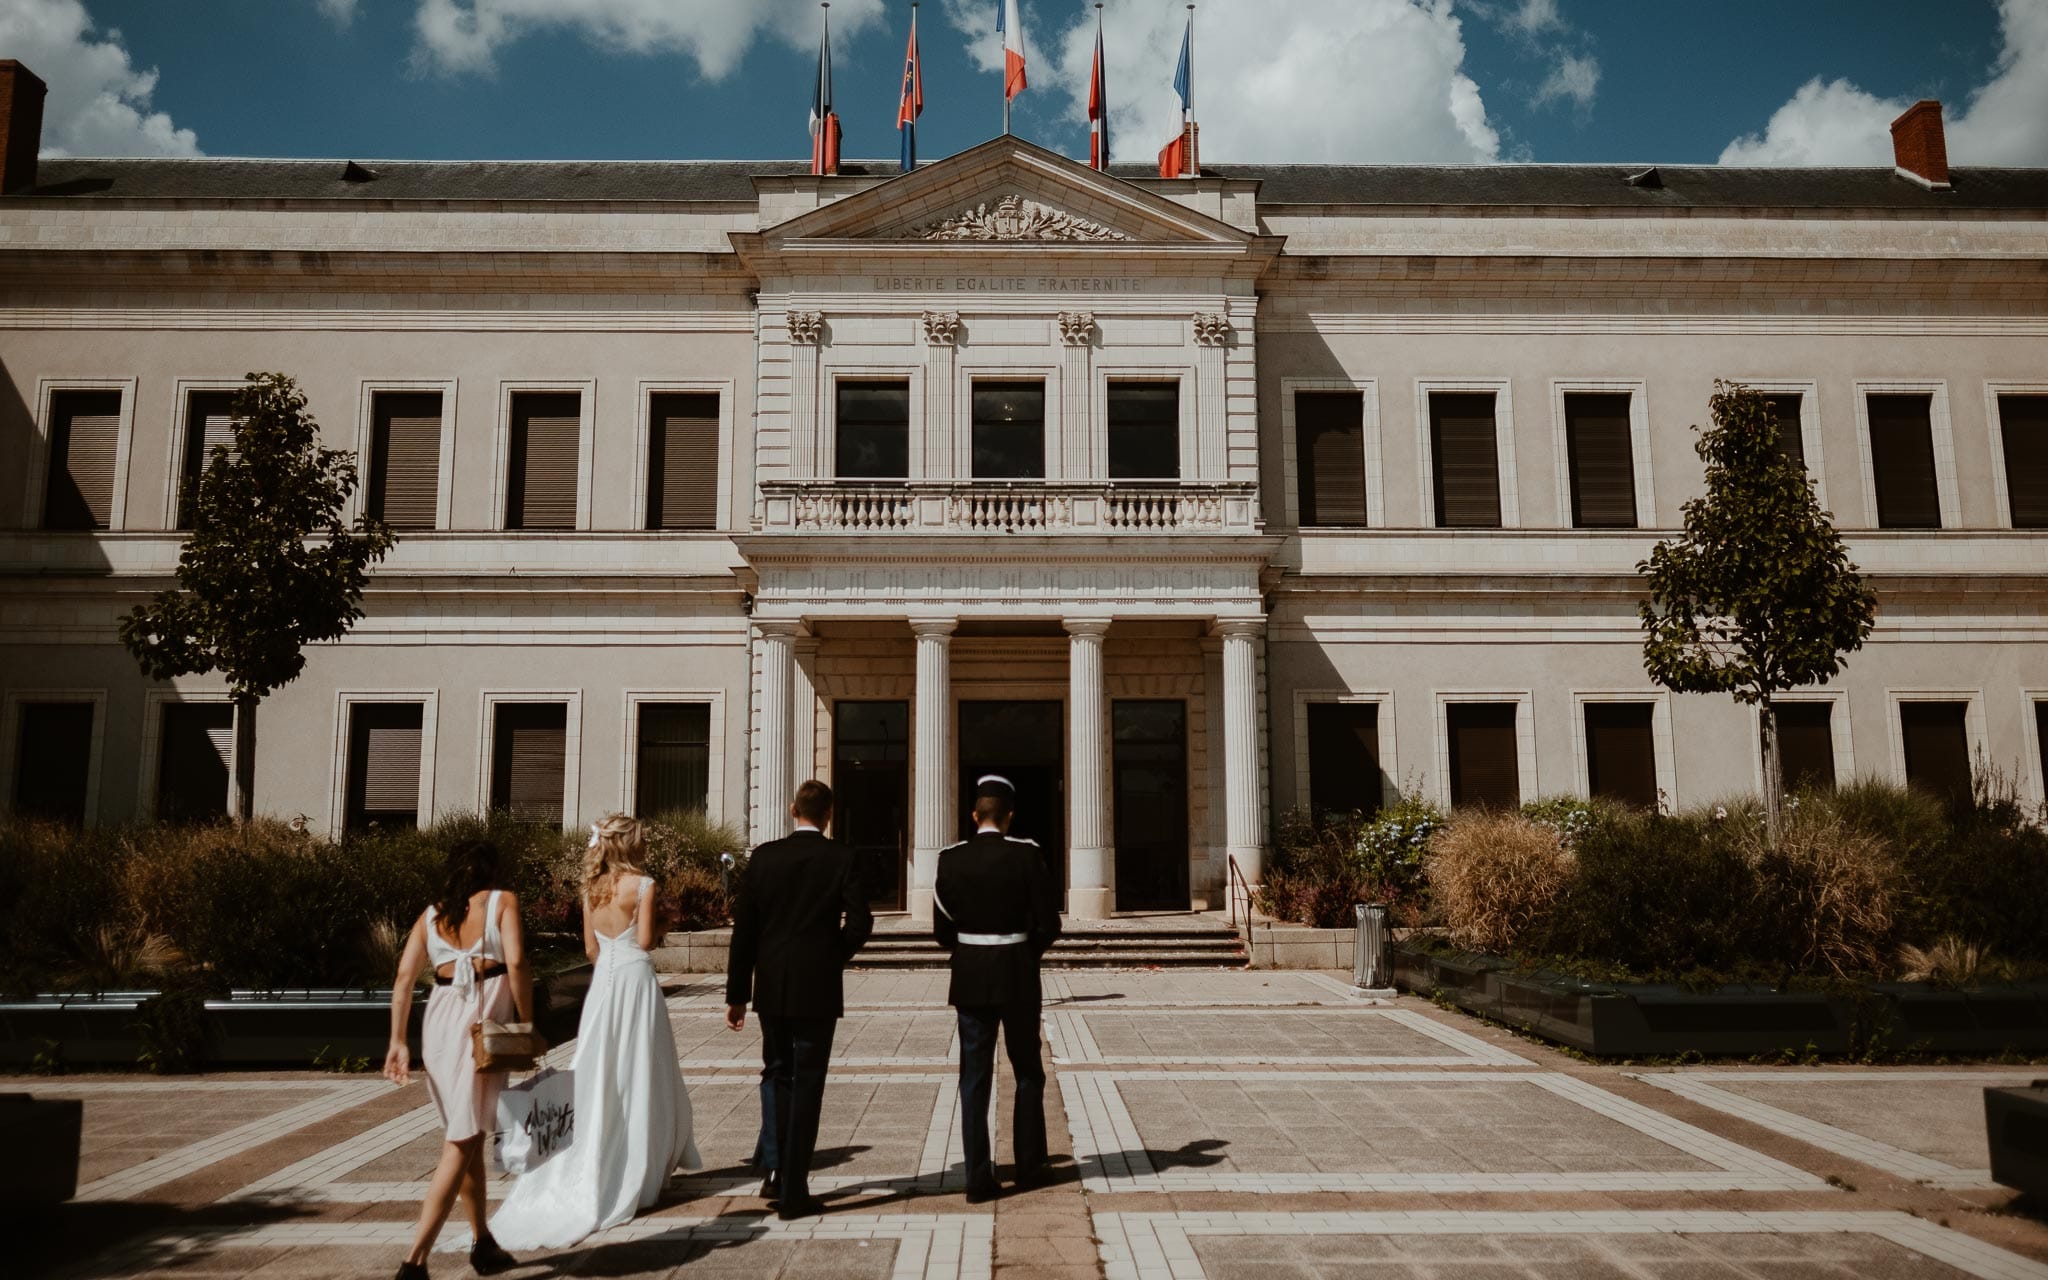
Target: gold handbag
{"type": "Point", "coordinates": [506, 1046]}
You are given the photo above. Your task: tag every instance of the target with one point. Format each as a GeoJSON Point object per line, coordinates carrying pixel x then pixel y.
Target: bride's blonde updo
{"type": "Point", "coordinates": [617, 843]}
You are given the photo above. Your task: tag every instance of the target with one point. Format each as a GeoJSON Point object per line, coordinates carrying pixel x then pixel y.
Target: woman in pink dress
{"type": "Point", "coordinates": [472, 940]}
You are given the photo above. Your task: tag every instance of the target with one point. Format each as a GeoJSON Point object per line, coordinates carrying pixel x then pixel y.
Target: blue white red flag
{"type": "Point", "coordinates": [824, 124]}
{"type": "Point", "coordinates": [1011, 27]}
{"type": "Point", "coordinates": [1098, 107]}
{"type": "Point", "coordinates": [1184, 74]}
{"type": "Point", "coordinates": [912, 104]}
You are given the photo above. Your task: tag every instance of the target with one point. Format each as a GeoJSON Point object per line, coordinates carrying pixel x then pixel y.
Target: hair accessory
{"type": "Point", "coordinates": [594, 837]}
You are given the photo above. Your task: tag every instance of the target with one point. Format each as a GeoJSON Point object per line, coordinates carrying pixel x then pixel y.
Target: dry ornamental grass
{"type": "Point", "coordinates": [1492, 873]}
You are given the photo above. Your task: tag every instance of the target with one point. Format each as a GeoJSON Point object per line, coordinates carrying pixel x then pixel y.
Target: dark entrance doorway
{"type": "Point", "coordinates": [1149, 771]}
{"type": "Point", "coordinates": [871, 793]}
{"type": "Point", "coordinates": [1024, 742]}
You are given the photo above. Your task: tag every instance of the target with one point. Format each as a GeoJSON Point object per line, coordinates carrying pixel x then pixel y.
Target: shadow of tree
{"type": "Point", "coordinates": [117, 1238]}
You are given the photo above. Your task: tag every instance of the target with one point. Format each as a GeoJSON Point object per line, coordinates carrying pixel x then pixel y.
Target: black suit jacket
{"type": "Point", "coordinates": [994, 884]}
{"type": "Point", "coordinates": [799, 916]}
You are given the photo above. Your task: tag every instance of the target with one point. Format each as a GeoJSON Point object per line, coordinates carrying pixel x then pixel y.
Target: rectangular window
{"type": "Point", "coordinates": [384, 765]}
{"type": "Point", "coordinates": [540, 479]}
{"type": "Point", "coordinates": [194, 754]}
{"type": "Point", "coordinates": [85, 440]}
{"type": "Point", "coordinates": [1791, 439]}
{"type": "Point", "coordinates": [1806, 745]}
{"type": "Point", "coordinates": [1344, 758]}
{"type": "Point", "coordinates": [405, 458]}
{"type": "Point", "coordinates": [673, 758]}
{"type": "Point", "coordinates": [209, 425]}
{"type": "Point", "coordinates": [1902, 456]}
{"type": "Point", "coordinates": [53, 761]}
{"type": "Point", "coordinates": [1601, 455]}
{"type": "Point", "coordinates": [872, 427]}
{"type": "Point", "coordinates": [530, 760]}
{"type": "Point", "coordinates": [1144, 430]}
{"type": "Point", "coordinates": [682, 460]}
{"type": "Point", "coordinates": [871, 793]}
{"type": "Point", "coordinates": [2023, 430]}
{"type": "Point", "coordinates": [1009, 430]}
{"type": "Point", "coordinates": [1466, 454]}
{"type": "Point", "coordinates": [2041, 738]}
{"type": "Point", "coordinates": [1329, 451]}
{"type": "Point", "coordinates": [1937, 742]}
{"type": "Point", "coordinates": [1485, 760]}
{"type": "Point", "coordinates": [1621, 753]}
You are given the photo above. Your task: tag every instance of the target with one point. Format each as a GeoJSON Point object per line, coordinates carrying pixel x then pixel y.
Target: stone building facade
{"type": "Point", "coordinates": [1184, 503]}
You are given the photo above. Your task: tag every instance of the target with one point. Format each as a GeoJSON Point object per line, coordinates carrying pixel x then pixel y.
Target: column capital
{"type": "Point", "coordinates": [923, 627]}
{"type": "Point", "coordinates": [1085, 628]}
{"type": "Point", "coordinates": [1251, 628]}
{"type": "Point", "coordinates": [786, 627]}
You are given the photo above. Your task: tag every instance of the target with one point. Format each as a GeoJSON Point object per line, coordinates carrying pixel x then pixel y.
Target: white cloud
{"type": "Point", "coordinates": [1534, 17]}
{"type": "Point", "coordinates": [1337, 81]}
{"type": "Point", "coordinates": [340, 12]}
{"type": "Point", "coordinates": [99, 102]}
{"type": "Point", "coordinates": [1575, 78]}
{"type": "Point", "coordinates": [465, 35]}
{"type": "Point", "coordinates": [2004, 121]}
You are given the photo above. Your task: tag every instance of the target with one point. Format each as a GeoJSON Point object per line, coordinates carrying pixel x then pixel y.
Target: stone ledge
{"type": "Point", "coordinates": [696, 951]}
{"type": "Point", "coordinates": [1274, 945]}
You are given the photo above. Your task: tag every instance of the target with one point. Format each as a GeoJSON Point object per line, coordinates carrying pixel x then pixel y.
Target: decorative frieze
{"type": "Point", "coordinates": [1077, 327]}
{"type": "Point", "coordinates": [806, 327]}
{"type": "Point", "coordinates": [942, 328]}
{"type": "Point", "coordinates": [1015, 218]}
{"type": "Point", "coordinates": [1212, 330]}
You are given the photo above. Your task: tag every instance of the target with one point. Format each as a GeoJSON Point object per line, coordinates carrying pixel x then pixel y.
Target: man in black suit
{"type": "Point", "coordinates": [799, 916]}
{"type": "Point", "coordinates": [997, 911]}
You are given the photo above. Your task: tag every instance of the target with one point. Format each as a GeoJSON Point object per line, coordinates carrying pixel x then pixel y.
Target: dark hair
{"type": "Point", "coordinates": [992, 809]}
{"type": "Point", "coordinates": [473, 865]}
{"type": "Point", "coordinates": [813, 802]}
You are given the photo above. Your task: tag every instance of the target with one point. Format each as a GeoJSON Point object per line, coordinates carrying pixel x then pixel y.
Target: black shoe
{"type": "Point", "coordinates": [771, 1187]}
{"type": "Point", "coordinates": [487, 1259]}
{"type": "Point", "coordinates": [792, 1208]}
{"type": "Point", "coordinates": [412, 1271]}
{"type": "Point", "coordinates": [1032, 1175]}
{"type": "Point", "coordinates": [981, 1192]}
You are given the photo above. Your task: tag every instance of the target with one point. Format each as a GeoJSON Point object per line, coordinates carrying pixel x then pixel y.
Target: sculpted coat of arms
{"type": "Point", "coordinates": [1015, 218]}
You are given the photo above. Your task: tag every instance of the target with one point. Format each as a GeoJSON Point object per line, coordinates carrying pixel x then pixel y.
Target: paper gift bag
{"type": "Point", "coordinates": [536, 1121]}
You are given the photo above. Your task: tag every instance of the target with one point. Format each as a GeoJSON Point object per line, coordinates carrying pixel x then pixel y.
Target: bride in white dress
{"type": "Point", "coordinates": [632, 1112]}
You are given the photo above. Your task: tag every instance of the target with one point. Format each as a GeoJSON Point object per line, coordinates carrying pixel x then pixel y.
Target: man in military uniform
{"type": "Point", "coordinates": [997, 911]}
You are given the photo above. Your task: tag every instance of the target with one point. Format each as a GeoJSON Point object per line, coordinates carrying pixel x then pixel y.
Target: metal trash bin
{"type": "Point", "coordinates": [1372, 963]}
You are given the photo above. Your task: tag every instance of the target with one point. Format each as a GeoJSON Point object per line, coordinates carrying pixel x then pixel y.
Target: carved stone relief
{"type": "Point", "coordinates": [806, 326]}
{"type": "Point", "coordinates": [942, 328]}
{"type": "Point", "coordinates": [1077, 327]}
{"type": "Point", "coordinates": [1212, 330]}
{"type": "Point", "coordinates": [1015, 218]}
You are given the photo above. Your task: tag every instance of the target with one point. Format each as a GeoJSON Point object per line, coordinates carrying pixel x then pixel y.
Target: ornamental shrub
{"type": "Point", "coordinates": [1494, 873]}
{"type": "Point", "coordinates": [1390, 851]}
{"type": "Point", "coordinates": [1826, 896]}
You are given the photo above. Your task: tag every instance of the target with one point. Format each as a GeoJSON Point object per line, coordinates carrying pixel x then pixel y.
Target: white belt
{"type": "Point", "coordinates": [993, 939]}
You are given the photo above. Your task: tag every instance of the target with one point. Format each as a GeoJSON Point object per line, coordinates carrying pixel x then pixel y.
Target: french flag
{"type": "Point", "coordinates": [1098, 107]}
{"type": "Point", "coordinates": [1011, 28]}
{"type": "Point", "coordinates": [824, 120]}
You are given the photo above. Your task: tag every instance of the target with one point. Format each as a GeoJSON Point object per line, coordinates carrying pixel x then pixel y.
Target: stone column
{"type": "Point", "coordinates": [778, 679]}
{"type": "Point", "coordinates": [932, 800]}
{"type": "Point", "coordinates": [941, 352]}
{"type": "Point", "coordinates": [806, 330]}
{"type": "Point", "coordinates": [1243, 838]}
{"type": "Point", "coordinates": [1073, 452]}
{"type": "Point", "coordinates": [1091, 858]}
{"type": "Point", "coordinates": [1209, 459]}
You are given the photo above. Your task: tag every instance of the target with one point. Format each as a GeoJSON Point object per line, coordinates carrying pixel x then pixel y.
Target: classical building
{"type": "Point", "coordinates": [1183, 503]}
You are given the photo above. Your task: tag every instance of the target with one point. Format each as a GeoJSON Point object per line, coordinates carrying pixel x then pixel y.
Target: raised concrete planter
{"type": "Point", "coordinates": [1294, 946]}
{"type": "Point", "coordinates": [2016, 1124]}
{"type": "Point", "coordinates": [698, 951]}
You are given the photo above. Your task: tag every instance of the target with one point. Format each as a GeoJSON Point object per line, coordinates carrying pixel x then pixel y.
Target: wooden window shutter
{"type": "Point", "coordinates": [85, 437]}
{"type": "Point", "coordinates": [53, 761]}
{"type": "Point", "coordinates": [1937, 741]}
{"type": "Point", "coordinates": [384, 763]}
{"type": "Point", "coordinates": [674, 758]}
{"type": "Point", "coordinates": [405, 459]}
{"type": "Point", "coordinates": [682, 461]}
{"type": "Point", "coordinates": [1329, 451]}
{"type": "Point", "coordinates": [1344, 758]}
{"type": "Point", "coordinates": [529, 760]}
{"type": "Point", "coordinates": [195, 755]}
{"type": "Point", "coordinates": [1485, 758]}
{"type": "Point", "coordinates": [541, 473]}
{"type": "Point", "coordinates": [1902, 454]}
{"type": "Point", "coordinates": [2023, 429]}
{"type": "Point", "coordinates": [1601, 456]}
{"type": "Point", "coordinates": [1462, 436]}
{"type": "Point", "coordinates": [209, 424]}
{"type": "Point", "coordinates": [1791, 439]}
{"type": "Point", "coordinates": [1621, 752]}
{"type": "Point", "coordinates": [1806, 745]}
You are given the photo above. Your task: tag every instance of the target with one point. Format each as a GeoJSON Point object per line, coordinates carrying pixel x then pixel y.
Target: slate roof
{"type": "Point", "coordinates": [1481, 186]}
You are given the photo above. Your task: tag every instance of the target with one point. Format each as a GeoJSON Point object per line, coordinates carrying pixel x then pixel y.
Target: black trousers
{"type": "Point", "coordinates": [795, 1053]}
{"type": "Point", "coordinates": [1019, 1024]}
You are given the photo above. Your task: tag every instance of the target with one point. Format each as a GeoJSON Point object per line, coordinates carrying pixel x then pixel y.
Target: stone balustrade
{"type": "Point", "coordinates": [1024, 507]}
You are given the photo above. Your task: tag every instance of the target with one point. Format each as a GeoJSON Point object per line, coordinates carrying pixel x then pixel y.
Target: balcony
{"type": "Point", "coordinates": [1031, 508]}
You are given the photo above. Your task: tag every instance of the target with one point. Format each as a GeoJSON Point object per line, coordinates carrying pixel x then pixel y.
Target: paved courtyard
{"type": "Point", "coordinates": [1218, 1125]}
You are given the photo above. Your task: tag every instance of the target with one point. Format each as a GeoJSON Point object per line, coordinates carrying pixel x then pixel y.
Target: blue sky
{"type": "Point", "coordinates": [1451, 80]}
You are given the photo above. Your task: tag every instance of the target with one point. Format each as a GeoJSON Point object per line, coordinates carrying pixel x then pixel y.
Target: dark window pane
{"type": "Point", "coordinates": [195, 751]}
{"type": "Point", "coordinates": [529, 760]}
{"type": "Point", "coordinates": [85, 436]}
{"type": "Point", "coordinates": [1806, 745]}
{"type": "Point", "coordinates": [1785, 408]}
{"type": "Point", "coordinates": [682, 461]}
{"type": "Point", "coordinates": [1467, 460]}
{"type": "Point", "coordinates": [1902, 455]}
{"type": "Point", "coordinates": [2023, 430]}
{"type": "Point", "coordinates": [674, 758]}
{"type": "Point", "coordinates": [873, 429]}
{"type": "Point", "coordinates": [1485, 764]}
{"type": "Point", "coordinates": [1329, 451]}
{"type": "Point", "coordinates": [53, 760]}
{"type": "Point", "coordinates": [541, 474]}
{"type": "Point", "coordinates": [871, 793]}
{"type": "Point", "coordinates": [1937, 742]}
{"type": "Point", "coordinates": [384, 764]}
{"type": "Point", "coordinates": [405, 459]}
{"type": "Point", "coordinates": [1344, 758]}
{"type": "Point", "coordinates": [1601, 455]}
{"type": "Point", "coordinates": [1009, 430]}
{"type": "Point", "coordinates": [2041, 737]}
{"type": "Point", "coordinates": [1621, 753]}
{"type": "Point", "coordinates": [1144, 430]}
{"type": "Point", "coordinates": [1149, 786]}
{"type": "Point", "coordinates": [209, 426]}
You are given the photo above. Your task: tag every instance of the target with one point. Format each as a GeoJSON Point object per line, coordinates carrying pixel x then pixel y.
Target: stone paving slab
{"type": "Point", "coordinates": [1254, 1037]}
{"type": "Point", "coordinates": [880, 1038]}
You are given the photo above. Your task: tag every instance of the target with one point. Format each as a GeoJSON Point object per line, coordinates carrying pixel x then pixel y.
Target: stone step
{"type": "Point", "coordinates": [1067, 960]}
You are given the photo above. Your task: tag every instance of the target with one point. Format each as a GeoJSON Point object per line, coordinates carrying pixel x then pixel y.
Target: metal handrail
{"type": "Point", "coordinates": [1235, 878]}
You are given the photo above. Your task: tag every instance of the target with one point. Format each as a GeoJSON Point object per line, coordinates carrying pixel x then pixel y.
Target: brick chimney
{"type": "Point", "coordinates": [21, 124]}
{"type": "Point", "coordinates": [1918, 147]}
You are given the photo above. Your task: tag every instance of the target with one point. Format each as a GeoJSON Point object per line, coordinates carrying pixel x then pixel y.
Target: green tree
{"type": "Point", "coordinates": [1758, 595]}
{"type": "Point", "coordinates": [269, 567]}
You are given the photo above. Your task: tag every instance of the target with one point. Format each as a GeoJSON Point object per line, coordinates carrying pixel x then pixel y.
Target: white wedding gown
{"type": "Point", "coordinates": [632, 1112]}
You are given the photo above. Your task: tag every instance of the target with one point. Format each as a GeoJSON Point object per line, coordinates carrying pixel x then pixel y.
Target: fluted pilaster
{"type": "Point", "coordinates": [1091, 856]}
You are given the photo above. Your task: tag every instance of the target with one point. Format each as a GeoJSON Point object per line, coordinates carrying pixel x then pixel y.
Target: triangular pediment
{"type": "Point", "coordinates": [1012, 193]}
